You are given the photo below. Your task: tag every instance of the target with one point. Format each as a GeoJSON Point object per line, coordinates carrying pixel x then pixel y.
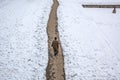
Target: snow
{"type": "Point", "coordinates": [23, 39]}
{"type": "Point", "coordinates": [89, 37]}
{"type": "Point", "coordinates": [90, 40]}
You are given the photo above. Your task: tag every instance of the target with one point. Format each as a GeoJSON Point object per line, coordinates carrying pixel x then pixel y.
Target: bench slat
{"type": "Point", "coordinates": [100, 6]}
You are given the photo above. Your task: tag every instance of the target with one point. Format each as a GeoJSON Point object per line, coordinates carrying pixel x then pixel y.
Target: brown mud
{"type": "Point", "coordinates": [55, 68]}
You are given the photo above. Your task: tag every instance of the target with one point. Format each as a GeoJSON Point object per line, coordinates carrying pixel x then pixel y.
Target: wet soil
{"type": "Point", "coordinates": [55, 69]}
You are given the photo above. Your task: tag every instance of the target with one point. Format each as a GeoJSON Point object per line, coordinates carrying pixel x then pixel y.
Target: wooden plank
{"type": "Point", "coordinates": [100, 6]}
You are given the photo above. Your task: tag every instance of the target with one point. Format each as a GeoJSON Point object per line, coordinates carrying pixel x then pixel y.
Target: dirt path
{"type": "Point", "coordinates": [55, 68]}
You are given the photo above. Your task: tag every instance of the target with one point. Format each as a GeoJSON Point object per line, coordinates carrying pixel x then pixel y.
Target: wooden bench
{"type": "Point", "coordinates": [101, 6]}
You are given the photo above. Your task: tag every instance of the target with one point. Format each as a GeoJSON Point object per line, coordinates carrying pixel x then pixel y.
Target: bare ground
{"type": "Point", "coordinates": [55, 68]}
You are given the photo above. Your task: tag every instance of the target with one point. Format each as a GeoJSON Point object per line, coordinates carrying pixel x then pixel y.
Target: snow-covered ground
{"type": "Point", "coordinates": [90, 40]}
{"type": "Point", "coordinates": [23, 39]}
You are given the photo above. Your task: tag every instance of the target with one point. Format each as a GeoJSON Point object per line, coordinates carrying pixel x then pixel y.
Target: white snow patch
{"type": "Point", "coordinates": [23, 39]}
{"type": "Point", "coordinates": [90, 40]}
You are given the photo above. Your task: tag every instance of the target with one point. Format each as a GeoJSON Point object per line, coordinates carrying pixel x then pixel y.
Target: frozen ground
{"type": "Point", "coordinates": [90, 40]}
{"type": "Point", "coordinates": [23, 39]}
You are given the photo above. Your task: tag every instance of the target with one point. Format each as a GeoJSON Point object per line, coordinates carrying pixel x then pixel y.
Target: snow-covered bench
{"type": "Point", "coordinates": [101, 6]}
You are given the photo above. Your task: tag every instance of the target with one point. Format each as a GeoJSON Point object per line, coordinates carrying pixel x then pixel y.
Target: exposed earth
{"type": "Point", "coordinates": [55, 68]}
